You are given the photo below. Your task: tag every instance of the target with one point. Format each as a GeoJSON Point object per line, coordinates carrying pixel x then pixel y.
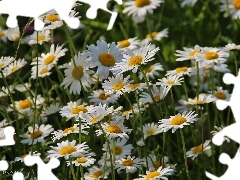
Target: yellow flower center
{"type": "Point", "coordinates": [1, 34]}
{"type": "Point", "coordinates": [49, 59]}
{"type": "Point", "coordinates": [126, 112]}
{"type": "Point", "coordinates": [43, 71]}
{"type": "Point", "coordinates": [197, 149]}
{"type": "Point", "coordinates": [152, 175]}
{"type": "Point", "coordinates": [236, 4]}
{"type": "Point", "coordinates": [1, 138]}
{"type": "Point", "coordinates": [153, 34]}
{"type": "Point", "coordinates": [150, 131]}
{"type": "Point", "coordinates": [148, 70]}
{"type": "Point", "coordinates": [81, 160]}
{"type": "Point", "coordinates": [193, 53]}
{"type": "Point", "coordinates": [41, 38]}
{"type": "Point", "coordinates": [178, 120]}
{"type": "Point", "coordinates": [171, 82]}
{"type": "Point", "coordinates": [94, 120]}
{"type": "Point", "coordinates": [97, 174]}
{"type": "Point", "coordinates": [127, 162]}
{"type": "Point", "coordinates": [103, 96]}
{"type": "Point", "coordinates": [124, 43]}
{"type": "Point", "coordinates": [118, 86]}
{"type": "Point", "coordinates": [77, 109]}
{"type": "Point", "coordinates": [67, 150]}
{"type": "Point", "coordinates": [211, 55]}
{"type": "Point", "coordinates": [72, 129]}
{"type": "Point", "coordinates": [181, 69]}
{"type": "Point", "coordinates": [135, 60]}
{"type": "Point", "coordinates": [52, 17]}
{"type": "Point", "coordinates": [24, 104]}
{"type": "Point", "coordinates": [142, 3]}
{"type": "Point", "coordinates": [220, 95]}
{"type": "Point", "coordinates": [2, 65]}
{"type": "Point", "coordinates": [36, 134]}
{"type": "Point", "coordinates": [157, 98]}
{"type": "Point", "coordinates": [114, 129]}
{"type": "Point", "coordinates": [117, 150]}
{"type": "Point", "coordinates": [77, 72]}
{"type": "Point", "coordinates": [107, 59]}
{"type": "Point", "coordinates": [15, 68]}
{"type": "Point", "coordinates": [158, 164]}
{"type": "Point", "coordinates": [134, 86]}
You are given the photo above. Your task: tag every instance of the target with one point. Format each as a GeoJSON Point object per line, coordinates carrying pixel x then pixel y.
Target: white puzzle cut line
{"type": "Point", "coordinates": [232, 131]}
{"type": "Point", "coordinates": [34, 9]}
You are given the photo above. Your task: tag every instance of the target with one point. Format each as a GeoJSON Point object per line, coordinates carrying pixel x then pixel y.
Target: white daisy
{"type": "Point", "coordinates": [231, 47]}
{"type": "Point", "coordinates": [114, 129]}
{"type": "Point", "coordinates": [13, 34]}
{"type": "Point", "coordinates": [100, 96]}
{"type": "Point", "coordinates": [171, 80]}
{"type": "Point", "coordinates": [39, 37]}
{"type": "Point", "coordinates": [150, 129]}
{"type": "Point", "coordinates": [36, 134]}
{"type": "Point", "coordinates": [157, 36]}
{"type": "Point", "coordinates": [96, 173]}
{"type": "Point", "coordinates": [118, 147]}
{"type": "Point", "coordinates": [159, 174]}
{"type": "Point", "coordinates": [188, 53]}
{"type": "Point", "coordinates": [41, 71]}
{"type": "Point", "coordinates": [52, 109]}
{"type": "Point", "coordinates": [130, 164]}
{"type": "Point", "coordinates": [5, 61]}
{"type": "Point", "coordinates": [79, 73]}
{"type": "Point", "coordinates": [68, 149]}
{"type": "Point", "coordinates": [104, 56]}
{"type": "Point", "coordinates": [116, 84]}
{"type": "Point", "coordinates": [154, 163]}
{"type": "Point", "coordinates": [23, 87]}
{"type": "Point", "coordinates": [133, 59]}
{"type": "Point", "coordinates": [152, 71]}
{"type": "Point", "coordinates": [195, 151]}
{"type": "Point", "coordinates": [232, 6]}
{"type": "Point", "coordinates": [14, 66]}
{"type": "Point", "coordinates": [131, 43]}
{"type": "Point", "coordinates": [84, 161]}
{"type": "Point", "coordinates": [178, 121]}
{"type": "Point", "coordinates": [221, 94]}
{"type": "Point", "coordinates": [202, 99]}
{"type": "Point", "coordinates": [180, 71]}
{"type": "Point", "coordinates": [136, 87]}
{"type": "Point", "coordinates": [5, 92]}
{"type": "Point", "coordinates": [140, 8]}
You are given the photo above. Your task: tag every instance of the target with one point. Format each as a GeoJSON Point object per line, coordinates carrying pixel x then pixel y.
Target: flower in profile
{"type": "Point", "coordinates": [131, 43]}
{"type": "Point", "coordinates": [24, 155]}
{"type": "Point", "coordinates": [232, 6]}
{"type": "Point", "coordinates": [157, 36]}
{"type": "Point", "coordinates": [188, 53]}
{"type": "Point", "coordinates": [5, 61]}
{"type": "Point", "coordinates": [36, 134]}
{"type": "Point", "coordinates": [161, 173]}
{"type": "Point", "coordinates": [40, 37]}
{"type": "Point", "coordinates": [101, 97]}
{"type": "Point", "coordinates": [150, 129]}
{"type": "Point", "coordinates": [14, 66]}
{"type": "Point", "coordinates": [104, 56]}
{"type": "Point", "coordinates": [152, 71]}
{"type": "Point", "coordinates": [178, 121]}
{"type": "Point", "coordinates": [84, 161]}
{"type": "Point", "coordinates": [13, 34]}
{"type": "Point", "coordinates": [180, 71]}
{"type": "Point", "coordinates": [133, 59]}
{"type": "Point", "coordinates": [97, 173]}
{"type": "Point", "coordinates": [130, 164]}
{"type": "Point", "coordinates": [221, 94]}
{"type": "Point", "coordinates": [75, 74]}
{"type": "Point", "coordinates": [52, 109]}
{"type": "Point", "coordinates": [171, 80]}
{"type": "Point", "coordinates": [195, 151]}
{"type": "Point", "coordinates": [154, 163]}
{"type": "Point", "coordinates": [139, 8]}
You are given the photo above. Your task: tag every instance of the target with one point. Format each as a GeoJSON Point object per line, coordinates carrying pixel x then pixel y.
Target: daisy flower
{"type": "Point", "coordinates": [41, 71]}
{"type": "Point", "coordinates": [68, 149]}
{"type": "Point", "coordinates": [52, 57]}
{"type": "Point", "coordinates": [4, 91]}
{"type": "Point", "coordinates": [231, 47]}
{"type": "Point", "coordinates": [140, 8]}
{"type": "Point", "coordinates": [79, 73]}
{"type": "Point", "coordinates": [178, 121]}
{"type": "Point", "coordinates": [114, 129]}
{"type": "Point", "coordinates": [157, 36]}
{"type": "Point", "coordinates": [13, 34]}
{"type": "Point", "coordinates": [219, 129]}
{"type": "Point", "coordinates": [23, 87]}
{"type": "Point", "coordinates": [152, 71]}
{"type": "Point", "coordinates": [5, 61]}
{"type": "Point", "coordinates": [209, 56]}
{"type": "Point", "coordinates": [116, 84]}
{"type": "Point", "coordinates": [84, 161]}
{"type": "Point", "coordinates": [188, 2]}
{"type": "Point", "coordinates": [40, 37]}
{"type": "Point", "coordinates": [130, 164]}
{"type": "Point", "coordinates": [159, 174]}
{"type": "Point", "coordinates": [221, 94]}
{"type": "Point", "coordinates": [14, 66]}
{"type": "Point", "coordinates": [150, 129]}
{"type": "Point", "coordinates": [158, 93]}
{"type": "Point", "coordinates": [180, 71]}
{"type": "Point", "coordinates": [118, 147]}
{"type": "Point", "coordinates": [195, 151]}
{"type": "Point", "coordinates": [185, 106]}
{"type": "Point", "coordinates": [93, 117]}
{"type": "Point", "coordinates": [106, 160]}
{"type": "Point", "coordinates": [74, 129]}
{"type": "Point", "coordinates": [133, 59]}
{"type": "Point", "coordinates": [23, 156]}
{"type": "Point", "coordinates": [96, 173]}
{"type": "Point", "coordinates": [170, 81]}
{"type": "Point", "coordinates": [3, 34]}
{"type": "Point", "coordinates": [154, 163]}
{"type": "Point", "coordinates": [104, 57]}
{"type": "Point", "coordinates": [188, 53]}
{"type": "Point", "coordinates": [100, 96]}
{"type": "Point", "coordinates": [131, 43]}
{"type": "Point", "coordinates": [52, 109]}
{"type": "Point", "coordinates": [202, 99]}
{"type": "Point", "coordinates": [136, 87]}
{"type": "Point", "coordinates": [232, 6]}
{"type": "Point", "coordinates": [36, 134]}
{"type": "Point", "coordinates": [140, 142]}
